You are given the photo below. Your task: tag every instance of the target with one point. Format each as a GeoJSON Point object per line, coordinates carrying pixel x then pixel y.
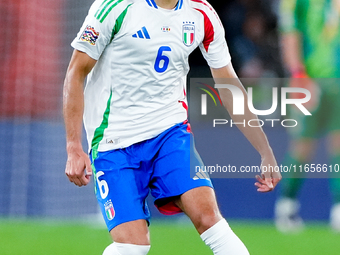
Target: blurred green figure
{"type": "Point", "coordinates": [310, 34]}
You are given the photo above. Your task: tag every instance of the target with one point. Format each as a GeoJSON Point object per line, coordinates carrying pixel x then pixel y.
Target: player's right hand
{"type": "Point", "coordinates": [78, 167]}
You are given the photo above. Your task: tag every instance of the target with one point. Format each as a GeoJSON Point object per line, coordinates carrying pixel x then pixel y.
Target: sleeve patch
{"type": "Point", "coordinates": [89, 35]}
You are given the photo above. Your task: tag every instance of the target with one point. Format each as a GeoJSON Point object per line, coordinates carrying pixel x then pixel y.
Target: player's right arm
{"type": "Point", "coordinates": [291, 36]}
{"type": "Point", "coordinates": [73, 106]}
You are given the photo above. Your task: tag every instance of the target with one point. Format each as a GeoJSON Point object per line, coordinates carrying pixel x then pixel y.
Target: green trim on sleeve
{"type": "Point", "coordinates": [101, 7]}
{"type": "Point", "coordinates": [119, 22]}
{"type": "Point", "coordinates": [105, 9]}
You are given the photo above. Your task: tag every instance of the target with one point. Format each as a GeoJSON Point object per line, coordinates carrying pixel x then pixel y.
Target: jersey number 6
{"type": "Point", "coordinates": [102, 185]}
{"type": "Point", "coordinates": [162, 61]}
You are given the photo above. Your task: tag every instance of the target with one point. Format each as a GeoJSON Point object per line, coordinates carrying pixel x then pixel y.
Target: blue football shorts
{"type": "Point", "coordinates": [124, 177]}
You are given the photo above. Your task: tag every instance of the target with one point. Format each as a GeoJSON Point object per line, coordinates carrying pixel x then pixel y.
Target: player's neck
{"type": "Point", "coordinates": [166, 4]}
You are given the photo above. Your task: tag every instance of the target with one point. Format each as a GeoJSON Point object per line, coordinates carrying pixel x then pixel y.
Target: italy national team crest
{"type": "Point", "coordinates": [188, 33]}
{"type": "Point", "coordinates": [109, 210]}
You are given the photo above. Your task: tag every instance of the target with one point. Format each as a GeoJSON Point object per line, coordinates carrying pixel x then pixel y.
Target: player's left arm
{"type": "Point", "coordinates": [255, 135]}
{"type": "Point", "coordinates": [214, 49]}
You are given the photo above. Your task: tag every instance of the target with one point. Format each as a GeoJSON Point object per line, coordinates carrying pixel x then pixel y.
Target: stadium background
{"type": "Point", "coordinates": [35, 51]}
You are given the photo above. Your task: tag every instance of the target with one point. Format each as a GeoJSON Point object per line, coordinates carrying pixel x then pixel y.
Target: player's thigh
{"type": "Point", "coordinates": [333, 125]}
{"type": "Point", "coordinates": [201, 206]}
{"type": "Point", "coordinates": [334, 142]}
{"type": "Point", "coordinates": [332, 122]}
{"type": "Point", "coordinates": [121, 191]}
{"type": "Point", "coordinates": [303, 137]}
{"type": "Point", "coordinates": [171, 175]}
{"type": "Point", "coordinates": [309, 127]}
{"type": "Point", "coordinates": [303, 148]}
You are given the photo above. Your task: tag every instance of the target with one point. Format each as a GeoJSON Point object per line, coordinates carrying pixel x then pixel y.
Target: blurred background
{"type": "Point", "coordinates": [35, 51]}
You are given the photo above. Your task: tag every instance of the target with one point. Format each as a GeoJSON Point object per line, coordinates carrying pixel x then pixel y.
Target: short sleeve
{"type": "Point", "coordinates": [96, 31]}
{"type": "Point", "coordinates": [214, 47]}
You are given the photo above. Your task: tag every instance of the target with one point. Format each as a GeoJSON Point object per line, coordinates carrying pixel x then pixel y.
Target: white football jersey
{"type": "Point", "coordinates": [137, 88]}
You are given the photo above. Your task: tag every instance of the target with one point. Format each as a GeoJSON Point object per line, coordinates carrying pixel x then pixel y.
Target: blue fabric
{"type": "Point", "coordinates": [160, 165]}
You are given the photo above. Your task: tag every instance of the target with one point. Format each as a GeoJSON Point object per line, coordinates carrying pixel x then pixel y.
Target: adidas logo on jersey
{"type": "Point", "coordinates": [142, 34]}
{"type": "Point", "coordinates": [113, 140]}
{"type": "Point", "coordinates": [201, 175]}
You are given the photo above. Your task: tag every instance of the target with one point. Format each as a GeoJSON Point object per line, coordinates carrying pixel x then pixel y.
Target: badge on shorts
{"type": "Point", "coordinates": [188, 33]}
{"type": "Point", "coordinates": [109, 210]}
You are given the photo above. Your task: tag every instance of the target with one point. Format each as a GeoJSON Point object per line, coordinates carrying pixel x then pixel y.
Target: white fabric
{"type": "Point", "coordinates": [223, 241]}
{"type": "Point", "coordinates": [126, 249]}
{"type": "Point", "coordinates": [335, 217]}
{"type": "Point", "coordinates": [287, 217]}
{"type": "Point", "coordinates": [145, 101]}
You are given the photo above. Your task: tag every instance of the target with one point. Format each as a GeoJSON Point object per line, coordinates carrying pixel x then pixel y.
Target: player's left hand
{"type": "Point", "coordinates": [270, 176]}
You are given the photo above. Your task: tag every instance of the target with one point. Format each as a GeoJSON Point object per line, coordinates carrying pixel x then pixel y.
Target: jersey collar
{"type": "Point", "coordinates": [153, 4]}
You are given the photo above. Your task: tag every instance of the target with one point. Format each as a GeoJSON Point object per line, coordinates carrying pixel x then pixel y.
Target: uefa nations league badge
{"type": "Point", "coordinates": [188, 33]}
